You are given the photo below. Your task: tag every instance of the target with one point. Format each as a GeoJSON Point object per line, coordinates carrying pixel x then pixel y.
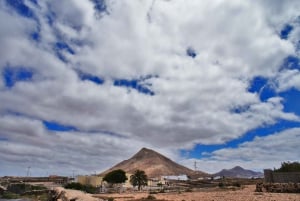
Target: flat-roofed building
{"type": "Point", "coordinates": [90, 180]}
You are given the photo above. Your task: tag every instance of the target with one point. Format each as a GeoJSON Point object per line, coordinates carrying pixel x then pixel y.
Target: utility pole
{"type": "Point", "coordinates": [27, 175]}
{"type": "Point", "coordinates": [28, 171]}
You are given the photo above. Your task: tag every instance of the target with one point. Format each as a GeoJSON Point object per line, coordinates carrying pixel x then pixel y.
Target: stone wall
{"type": "Point", "coordinates": [281, 177]}
{"type": "Point", "coordinates": [278, 187]}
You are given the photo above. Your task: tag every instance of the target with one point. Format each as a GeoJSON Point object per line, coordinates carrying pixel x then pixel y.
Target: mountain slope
{"type": "Point", "coordinates": [153, 163]}
{"type": "Point", "coordinates": [238, 172]}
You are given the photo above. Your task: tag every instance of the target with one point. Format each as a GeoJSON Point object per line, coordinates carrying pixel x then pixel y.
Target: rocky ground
{"type": "Point", "coordinates": [72, 195]}
{"type": "Point", "coordinates": [244, 194]}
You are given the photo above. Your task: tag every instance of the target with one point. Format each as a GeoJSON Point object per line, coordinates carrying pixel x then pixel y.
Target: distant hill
{"type": "Point", "coordinates": [154, 164]}
{"type": "Point", "coordinates": [239, 172]}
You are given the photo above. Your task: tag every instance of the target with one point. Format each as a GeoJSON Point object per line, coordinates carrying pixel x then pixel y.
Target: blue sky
{"type": "Point", "coordinates": [86, 84]}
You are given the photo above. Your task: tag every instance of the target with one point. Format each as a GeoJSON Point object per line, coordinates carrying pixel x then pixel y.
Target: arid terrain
{"type": "Point", "coordinates": [154, 164]}
{"type": "Point", "coordinates": [245, 194]}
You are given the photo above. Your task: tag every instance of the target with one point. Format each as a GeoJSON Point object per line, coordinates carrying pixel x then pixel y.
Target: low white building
{"type": "Point", "coordinates": [178, 177]}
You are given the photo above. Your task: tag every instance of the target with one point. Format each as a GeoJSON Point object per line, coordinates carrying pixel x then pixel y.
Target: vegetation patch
{"type": "Point", "coordinates": [151, 197]}
{"type": "Point", "coordinates": [115, 177]}
{"type": "Point", "coordinates": [41, 197]}
{"type": "Point", "coordinates": [221, 185]}
{"type": "Point", "coordinates": [21, 188]}
{"type": "Point", "coordinates": [139, 179]}
{"type": "Point", "coordinates": [289, 167]}
{"type": "Point", "coordinates": [86, 188]}
{"type": "Point", "coordinates": [10, 195]}
{"type": "Point", "coordinates": [25, 191]}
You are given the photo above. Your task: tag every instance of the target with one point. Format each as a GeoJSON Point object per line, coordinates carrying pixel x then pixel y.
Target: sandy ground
{"type": "Point", "coordinates": [245, 194]}
{"type": "Point", "coordinates": [78, 195]}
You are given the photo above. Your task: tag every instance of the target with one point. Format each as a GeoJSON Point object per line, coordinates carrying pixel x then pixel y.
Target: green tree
{"type": "Point", "coordinates": [115, 177]}
{"type": "Point", "coordinates": [289, 167]}
{"type": "Point", "coordinates": [139, 179]}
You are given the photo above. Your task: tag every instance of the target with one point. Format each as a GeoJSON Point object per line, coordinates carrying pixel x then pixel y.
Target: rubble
{"type": "Point", "coordinates": [278, 187]}
{"type": "Point", "coordinates": [61, 194]}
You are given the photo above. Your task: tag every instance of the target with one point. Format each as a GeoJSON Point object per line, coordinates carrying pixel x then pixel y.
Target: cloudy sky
{"type": "Point", "coordinates": [86, 84]}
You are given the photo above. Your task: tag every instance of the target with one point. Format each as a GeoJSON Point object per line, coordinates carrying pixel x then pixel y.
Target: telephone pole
{"type": "Point", "coordinates": [28, 171]}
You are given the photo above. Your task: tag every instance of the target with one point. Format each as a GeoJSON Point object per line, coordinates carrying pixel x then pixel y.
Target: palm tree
{"type": "Point", "coordinates": [139, 179]}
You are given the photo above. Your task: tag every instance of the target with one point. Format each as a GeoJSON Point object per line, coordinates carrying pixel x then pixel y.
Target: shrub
{"type": "Point", "coordinates": [19, 188]}
{"type": "Point", "coordinates": [38, 188]}
{"type": "Point", "coordinates": [289, 167]}
{"type": "Point", "coordinates": [81, 187]}
{"type": "Point", "coordinates": [221, 185]}
{"type": "Point", "coordinates": [162, 191]}
{"type": "Point", "coordinates": [237, 184]}
{"type": "Point", "coordinates": [10, 195]}
{"type": "Point", "coordinates": [151, 197]}
{"type": "Point", "coordinates": [110, 199]}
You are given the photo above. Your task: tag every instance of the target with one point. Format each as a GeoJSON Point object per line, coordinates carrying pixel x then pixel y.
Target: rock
{"type": "Point", "coordinates": [278, 187]}
{"type": "Point", "coordinates": [61, 194]}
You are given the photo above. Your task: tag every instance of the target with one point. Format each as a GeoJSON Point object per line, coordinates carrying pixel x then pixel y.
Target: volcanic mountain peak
{"type": "Point", "coordinates": [153, 163]}
{"type": "Point", "coordinates": [237, 168]}
{"type": "Point", "coordinates": [238, 172]}
{"type": "Point", "coordinates": [146, 153]}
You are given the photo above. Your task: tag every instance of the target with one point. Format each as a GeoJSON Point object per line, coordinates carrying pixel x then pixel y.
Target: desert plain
{"type": "Point", "coordinates": [247, 193]}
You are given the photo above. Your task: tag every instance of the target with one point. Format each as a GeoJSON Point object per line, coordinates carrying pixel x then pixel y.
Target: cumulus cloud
{"type": "Point", "coordinates": [27, 143]}
{"type": "Point", "coordinates": [288, 79]}
{"type": "Point", "coordinates": [200, 99]}
{"type": "Point", "coordinates": [261, 153]}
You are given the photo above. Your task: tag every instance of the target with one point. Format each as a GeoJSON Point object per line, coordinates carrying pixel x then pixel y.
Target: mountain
{"type": "Point", "coordinates": [239, 172]}
{"type": "Point", "coordinates": [154, 164]}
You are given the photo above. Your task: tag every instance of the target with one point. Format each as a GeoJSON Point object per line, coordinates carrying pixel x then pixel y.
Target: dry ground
{"type": "Point", "coordinates": [245, 194]}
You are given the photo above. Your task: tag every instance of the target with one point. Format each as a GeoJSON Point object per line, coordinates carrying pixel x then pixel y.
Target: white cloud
{"type": "Point", "coordinates": [13, 30]}
{"type": "Point", "coordinates": [28, 143]}
{"type": "Point", "coordinates": [194, 98]}
{"type": "Point", "coordinates": [261, 153]}
{"type": "Point", "coordinates": [280, 12]}
{"type": "Point", "coordinates": [288, 79]}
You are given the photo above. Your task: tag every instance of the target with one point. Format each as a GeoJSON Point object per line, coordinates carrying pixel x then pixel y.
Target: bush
{"type": "Point", "coordinates": [40, 197]}
{"type": "Point", "coordinates": [110, 199]}
{"type": "Point", "coordinates": [151, 197]}
{"type": "Point", "coordinates": [162, 191]}
{"type": "Point", "coordinates": [38, 188]}
{"type": "Point", "coordinates": [10, 195]}
{"type": "Point", "coordinates": [289, 167]}
{"type": "Point", "coordinates": [221, 185]}
{"type": "Point", "coordinates": [81, 187]}
{"type": "Point", "coordinates": [19, 188]}
{"type": "Point", "coordinates": [237, 184]}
